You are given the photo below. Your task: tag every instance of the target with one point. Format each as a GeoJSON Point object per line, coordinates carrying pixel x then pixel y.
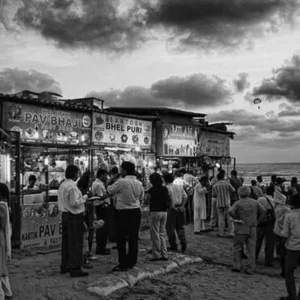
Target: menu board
{"type": "Point", "coordinates": [214, 144]}
{"type": "Point", "coordinates": [113, 130]}
{"type": "Point", "coordinates": [40, 226]}
{"type": "Point", "coordinates": [179, 140]}
{"type": "Point", "coordinates": [44, 125]}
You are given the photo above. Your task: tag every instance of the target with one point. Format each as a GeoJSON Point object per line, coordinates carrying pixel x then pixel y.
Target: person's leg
{"type": "Point", "coordinates": [260, 234]}
{"type": "Point", "coordinates": [64, 265]}
{"type": "Point", "coordinates": [155, 234]}
{"type": "Point", "coordinates": [6, 286]}
{"type": "Point", "coordinates": [214, 215]}
{"type": "Point", "coordinates": [238, 246]}
{"type": "Point", "coordinates": [269, 245]}
{"type": "Point", "coordinates": [121, 230]}
{"type": "Point", "coordinates": [2, 294]}
{"type": "Point", "coordinates": [229, 221]}
{"type": "Point", "coordinates": [171, 225]}
{"type": "Point", "coordinates": [134, 219]}
{"type": "Point", "coordinates": [291, 263]}
{"type": "Point", "coordinates": [102, 233]}
{"type": "Point", "coordinates": [191, 208]}
{"type": "Point", "coordinates": [221, 220]}
{"type": "Point", "coordinates": [250, 245]}
{"type": "Point", "coordinates": [162, 234]}
{"type": "Point", "coordinates": [180, 230]}
{"type": "Point", "coordinates": [75, 245]}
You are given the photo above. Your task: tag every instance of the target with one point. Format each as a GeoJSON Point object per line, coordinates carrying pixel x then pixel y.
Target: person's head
{"type": "Point", "coordinates": [259, 179]}
{"type": "Point", "coordinates": [244, 191]}
{"type": "Point", "coordinates": [83, 182]}
{"type": "Point", "coordinates": [294, 181]}
{"type": "Point", "coordinates": [222, 171]}
{"type": "Point", "coordinates": [233, 173]}
{"type": "Point", "coordinates": [178, 173]}
{"type": "Point", "coordinates": [253, 182]}
{"type": "Point", "coordinates": [127, 168]}
{"type": "Point", "coordinates": [279, 181]}
{"type": "Point", "coordinates": [273, 178]}
{"type": "Point", "coordinates": [114, 171]}
{"type": "Point", "coordinates": [72, 172]}
{"type": "Point", "coordinates": [4, 192]}
{"type": "Point", "coordinates": [204, 180]}
{"type": "Point", "coordinates": [156, 180]}
{"type": "Point", "coordinates": [168, 178]}
{"type": "Point", "coordinates": [242, 180]}
{"type": "Point", "coordinates": [220, 176]}
{"type": "Point", "coordinates": [183, 171]}
{"type": "Point", "coordinates": [102, 175]}
{"type": "Point", "coordinates": [32, 180]}
{"type": "Point", "coordinates": [295, 201]}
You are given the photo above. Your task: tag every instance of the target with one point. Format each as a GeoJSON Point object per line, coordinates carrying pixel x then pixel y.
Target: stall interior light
{"type": "Point", "coordinates": [137, 148]}
{"type": "Point", "coordinates": [117, 149]}
{"type": "Point", "coordinates": [218, 165]}
{"type": "Point", "coordinates": [46, 161]}
{"type": "Point", "coordinates": [83, 138]}
{"type": "Point", "coordinates": [150, 164]}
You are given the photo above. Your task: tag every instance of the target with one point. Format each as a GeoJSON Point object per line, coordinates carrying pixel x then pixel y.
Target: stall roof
{"type": "Point", "coordinates": [154, 110]}
{"type": "Point", "coordinates": [211, 129]}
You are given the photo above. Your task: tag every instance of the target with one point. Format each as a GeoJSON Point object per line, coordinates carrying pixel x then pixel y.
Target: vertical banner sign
{"type": "Point", "coordinates": [112, 130]}
{"type": "Point", "coordinates": [214, 144]}
{"type": "Point", "coordinates": [179, 140]}
{"type": "Point", "coordinates": [45, 125]}
{"type": "Point", "coordinates": [40, 226]}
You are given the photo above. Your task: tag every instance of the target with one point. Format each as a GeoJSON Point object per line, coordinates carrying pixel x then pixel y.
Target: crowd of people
{"type": "Point", "coordinates": [109, 208]}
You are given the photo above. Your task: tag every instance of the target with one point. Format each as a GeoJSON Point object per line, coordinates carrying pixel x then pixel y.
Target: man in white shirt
{"type": "Point", "coordinates": [129, 194]}
{"type": "Point", "coordinates": [176, 213]}
{"type": "Point", "coordinates": [71, 204]}
{"type": "Point", "coordinates": [99, 189]}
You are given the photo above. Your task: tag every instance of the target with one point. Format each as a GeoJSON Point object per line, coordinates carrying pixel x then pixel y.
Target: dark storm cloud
{"type": "Point", "coordinates": [15, 80]}
{"type": "Point", "coordinates": [195, 91]}
{"type": "Point", "coordinates": [283, 84]}
{"type": "Point", "coordinates": [219, 23]}
{"type": "Point", "coordinates": [115, 25]}
{"type": "Point", "coordinates": [241, 83]}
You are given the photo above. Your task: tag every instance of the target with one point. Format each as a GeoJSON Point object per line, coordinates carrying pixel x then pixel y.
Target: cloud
{"type": "Point", "coordinates": [241, 83]}
{"type": "Point", "coordinates": [283, 84]}
{"type": "Point", "coordinates": [288, 110]}
{"type": "Point", "coordinates": [259, 129]}
{"type": "Point", "coordinates": [15, 80]}
{"type": "Point", "coordinates": [118, 26]}
{"type": "Point", "coordinates": [219, 24]}
{"type": "Point", "coordinates": [194, 91]}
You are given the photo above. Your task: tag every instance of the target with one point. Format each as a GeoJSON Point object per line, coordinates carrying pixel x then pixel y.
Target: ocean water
{"type": "Point", "coordinates": [250, 171]}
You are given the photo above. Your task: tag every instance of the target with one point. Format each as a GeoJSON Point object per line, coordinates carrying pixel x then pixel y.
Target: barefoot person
{"type": "Point", "coordinates": [245, 213]}
{"type": "Point", "coordinates": [5, 246]}
{"type": "Point", "coordinates": [71, 204]}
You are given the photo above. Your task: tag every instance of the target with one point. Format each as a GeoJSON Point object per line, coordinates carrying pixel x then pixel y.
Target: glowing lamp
{"type": "Point", "coordinates": [218, 165]}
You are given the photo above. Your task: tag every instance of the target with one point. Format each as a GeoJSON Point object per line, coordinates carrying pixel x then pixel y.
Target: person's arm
{"type": "Point", "coordinates": [114, 188]}
{"type": "Point", "coordinates": [214, 191]}
{"type": "Point", "coordinates": [147, 198]}
{"type": "Point", "coordinates": [286, 227]}
{"type": "Point", "coordinates": [142, 196]}
{"type": "Point", "coordinates": [233, 211]}
{"type": "Point", "coordinates": [76, 198]}
{"type": "Point", "coordinates": [231, 188]}
{"type": "Point", "coordinates": [261, 212]}
{"type": "Point", "coordinates": [184, 200]}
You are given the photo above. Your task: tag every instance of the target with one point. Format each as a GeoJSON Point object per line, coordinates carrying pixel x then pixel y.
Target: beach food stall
{"type": "Point", "coordinates": [120, 137]}
{"type": "Point", "coordinates": [52, 136]}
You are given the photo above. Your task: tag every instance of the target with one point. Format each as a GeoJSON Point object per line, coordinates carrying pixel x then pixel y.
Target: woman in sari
{"type": "Point", "coordinates": [5, 245]}
{"type": "Point", "coordinates": [200, 192]}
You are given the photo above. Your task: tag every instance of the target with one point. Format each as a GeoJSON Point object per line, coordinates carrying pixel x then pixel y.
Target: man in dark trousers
{"type": "Point", "coordinates": [71, 204]}
{"type": "Point", "coordinates": [102, 212]}
{"type": "Point", "coordinates": [129, 194]}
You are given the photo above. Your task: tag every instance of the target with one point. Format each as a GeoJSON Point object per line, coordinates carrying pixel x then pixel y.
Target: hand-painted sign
{"type": "Point", "coordinates": [112, 130]}
{"type": "Point", "coordinates": [37, 123]}
{"type": "Point", "coordinates": [40, 226]}
{"type": "Point", "coordinates": [214, 144]}
{"type": "Point", "coordinates": [179, 140]}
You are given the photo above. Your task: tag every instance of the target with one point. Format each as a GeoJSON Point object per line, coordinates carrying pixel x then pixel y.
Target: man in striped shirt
{"type": "Point", "coordinates": [221, 191]}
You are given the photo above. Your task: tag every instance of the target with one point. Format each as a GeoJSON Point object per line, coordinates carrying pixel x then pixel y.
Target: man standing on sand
{"type": "Point", "coordinates": [129, 194]}
{"type": "Point", "coordinates": [221, 191]}
{"type": "Point", "coordinates": [71, 204]}
{"type": "Point", "coordinates": [291, 232]}
{"type": "Point", "coordinates": [246, 212]}
{"type": "Point", "coordinates": [176, 213]}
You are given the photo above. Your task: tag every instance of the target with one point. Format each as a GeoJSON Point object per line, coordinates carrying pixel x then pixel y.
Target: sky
{"type": "Point", "coordinates": [207, 56]}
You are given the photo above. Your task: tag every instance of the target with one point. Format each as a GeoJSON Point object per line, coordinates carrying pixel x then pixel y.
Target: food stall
{"type": "Point", "coordinates": [117, 138]}
{"type": "Point", "coordinates": [52, 136]}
